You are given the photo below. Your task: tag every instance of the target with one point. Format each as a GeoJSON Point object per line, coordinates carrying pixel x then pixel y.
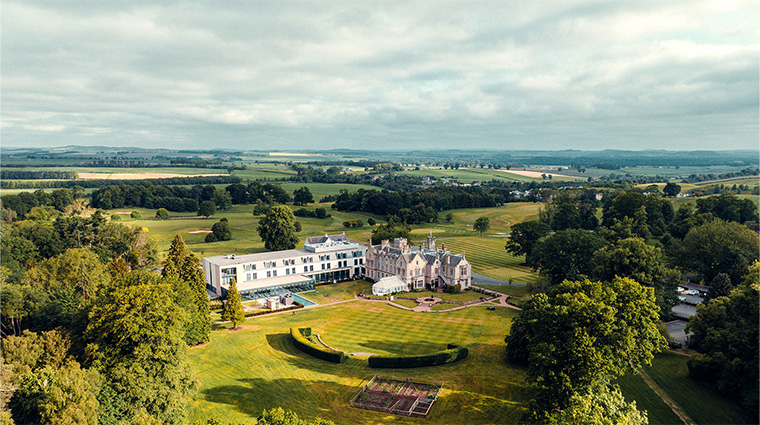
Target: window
{"type": "Point", "coordinates": [287, 271]}
{"type": "Point", "coordinates": [323, 266]}
{"type": "Point", "coordinates": [305, 269]}
{"type": "Point", "coordinates": [294, 270]}
{"type": "Point", "coordinates": [254, 275]}
{"type": "Point", "coordinates": [269, 273]}
{"type": "Point", "coordinates": [274, 273]}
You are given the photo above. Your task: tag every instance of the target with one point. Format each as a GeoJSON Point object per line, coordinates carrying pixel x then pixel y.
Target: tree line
{"type": "Point", "coordinates": [37, 175]}
{"type": "Point", "coordinates": [15, 184]}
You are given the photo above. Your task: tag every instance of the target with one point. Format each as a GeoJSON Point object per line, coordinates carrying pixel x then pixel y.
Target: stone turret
{"type": "Point", "coordinates": [400, 243]}
{"type": "Point", "coordinates": [431, 241]}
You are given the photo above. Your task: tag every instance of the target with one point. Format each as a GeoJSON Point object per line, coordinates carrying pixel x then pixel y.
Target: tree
{"type": "Point", "coordinates": [135, 215]}
{"type": "Point", "coordinates": [566, 255]}
{"type": "Point", "coordinates": [207, 208]}
{"type": "Point", "coordinates": [371, 221]}
{"type": "Point", "coordinates": [62, 395]}
{"type": "Point", "coordinates": [726, 334]}
{"type": "Point", "coordinates": [177, 252]}
{"type": "Point", "coordinates": [278, 416]}
{"type": "Point", "coordinates": [233, 308]}
{"type": "Point", "coordinates": [320, 212]}
{"type": "Point", "coordinates": [719, 287]}
{"type": "Point", "coordinates": [671, 189]}
{"type": "Point", "coordinates": [277, 229]}
{"type": "Point", "coordinates": [718, 247]}
{"type": "Point", "coordinates": [449, 217]}
{"type": "Point", "coordinates": [222, 199]}
{"type": "Point", "coordinates": [184, 273]}
{"type": "Point", "coordinates": [524, 237]}
{"type": "Point", "coordinates": [162, 214]}
{"type": "Point", "coordinates": [602, 404]}
{"type": "Point", "coordinates": [135, 340]}
{"type": "Point", "coordinates": [482, 224]}
{"type": "Point", "coordinates": [580, 333]}
{"type": "Point", "coordinates": [630, 257]}
{"type": "Point", "coordinates": [302, 196]}
{"type": "Point", "coordinates": [221, 230]}
{"type": "Point", "coordinates": [297, 226]}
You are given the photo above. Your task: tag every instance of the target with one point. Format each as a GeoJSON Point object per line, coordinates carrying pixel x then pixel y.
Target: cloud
{"type": "Point", "coordinates": [588, 74]}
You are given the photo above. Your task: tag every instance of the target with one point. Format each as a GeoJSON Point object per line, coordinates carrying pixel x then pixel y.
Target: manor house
{"type": "Point", "coordinates": [424, 266]}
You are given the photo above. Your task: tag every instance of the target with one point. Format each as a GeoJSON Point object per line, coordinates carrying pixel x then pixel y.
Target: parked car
{"type": "Point", "coordinates": [693, 292]}
{"type": "Point", "coordinates": [490, 307]}
{"type": "Point", "coordinates": [681, 298]}
{"type": "Point", "coordinates": [680, 289]}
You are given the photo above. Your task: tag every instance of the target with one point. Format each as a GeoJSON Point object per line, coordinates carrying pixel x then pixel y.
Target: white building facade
{"type": "Point", "coordinates": [325, 258]}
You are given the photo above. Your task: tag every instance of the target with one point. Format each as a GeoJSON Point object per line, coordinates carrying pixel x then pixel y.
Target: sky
{"type": "Point", "coordinates": [289, 75]}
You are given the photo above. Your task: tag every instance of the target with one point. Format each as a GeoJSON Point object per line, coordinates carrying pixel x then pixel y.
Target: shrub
{"type": "Point", "coordinates": [371, 221]}
{"type": "Point", "coordinates": [115, 217]}
{"type": "Point", "coordinates": [357, 223]}
{"type": "Point", "coordinates": [346, 223]}
{"type": "Point", "coordinates": [452, 354]}
{"type": "Point", "coordinates": [211, 237]}
{"type": "Point", "coordinates": [162, 214]}
{"type": "Point", "coordinates": [300, 340]}
{"type": "Point", "coordinates": [297, 225]}
{"type": "Point", "coordinates": [135, 215]}
{"type": "Point", "coordinates": [321, 213]}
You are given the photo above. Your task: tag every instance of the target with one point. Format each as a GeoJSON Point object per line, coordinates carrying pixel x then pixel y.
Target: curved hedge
{"type": "Point", "coordinates": [452, 354]}
{"type": "Point", "coordinates": [300, 340]}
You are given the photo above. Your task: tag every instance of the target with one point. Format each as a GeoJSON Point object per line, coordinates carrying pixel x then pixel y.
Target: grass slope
{"type": "Point", "coordinates": [256, 368]}
{"type": "Point", "coordinates": [489, 258]}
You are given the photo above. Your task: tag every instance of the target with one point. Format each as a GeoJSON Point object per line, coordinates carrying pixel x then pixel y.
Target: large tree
{"type": "Point", "coordinates": [482, 224]}
{"type": "Point", "coordinates": [207, 208]}
{"type": "Point", "coordinates": [580, 333]}
{"type": "Point", "coordinates": [183, 271]}
{"type": "Point", "coordinates": [302, 196]}
{"type": "Point", "coordinates": [277, 228]}
{"type": "Point", "coordinates": [233, 308]}
{"type": "Point", "coordinates": [718, 247]}
{"type": "Point", "coordinates": [524, 237]}
{"type": "Point", "coordinates": [135, 340]}
{"type": "Point", "coordinates": [566, 254]}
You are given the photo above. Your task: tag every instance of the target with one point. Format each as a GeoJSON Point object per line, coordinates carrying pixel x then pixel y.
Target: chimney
{"type": "Point", "coordinates": [384, 243]}
{"type": "Point", "coordinates": [399, 243]}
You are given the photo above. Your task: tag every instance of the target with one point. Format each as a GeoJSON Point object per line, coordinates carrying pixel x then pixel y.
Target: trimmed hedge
{"type": "Point", "coordinates": [300, 340]}
{"type": "Point", "coordinates": [452, 354]}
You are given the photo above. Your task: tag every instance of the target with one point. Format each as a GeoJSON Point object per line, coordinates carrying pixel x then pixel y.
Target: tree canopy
{"type": "Point", "coordinates": [233, 308]}
{"type": "Point", "coordinates": [302, 196]}
{"type": "Point", "coordinates": [524, 237]}
{"type": "Point", "coordinates": [277, 229]}
{"type": "Point", "coordinates": [566, 254]}
{"type": "Point", "coordinates": [718, 247]}
{"type": "Point", "coordinates": [580, 332]}
{"type": "Point", "coordinates": [482, 224]}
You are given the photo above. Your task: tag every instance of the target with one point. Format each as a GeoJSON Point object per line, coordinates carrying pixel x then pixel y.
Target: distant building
{"type": "Point", "coordinates": [263, 275]}
{"type": "Point", "coordinates": [421, 267]}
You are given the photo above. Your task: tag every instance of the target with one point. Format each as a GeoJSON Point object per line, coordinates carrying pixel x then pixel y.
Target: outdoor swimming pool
{"type": "Point", "coordinates": [303, 300]}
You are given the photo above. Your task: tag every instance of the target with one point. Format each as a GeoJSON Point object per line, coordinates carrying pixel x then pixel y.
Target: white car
{"type": "Point", "coordinates": [693, 292]}
{"type": "Point", "coordinates": [680, 289]}
{"type": "Point", "coordinates": [681, 298]}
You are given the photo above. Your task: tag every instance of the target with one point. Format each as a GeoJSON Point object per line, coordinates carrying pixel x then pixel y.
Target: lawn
{"type": "Point", "coordinates": [320, 190]}
{"type": "Point", "coordinates": [405, 303]}
{"type": "Point", "coordinates": [515, 291]}
{"type": "Point", "coordinates": [489, 258]}
{"type": "Point", "coordinates": [243, 224]}
{"type": "Point", "coordinates": [634, 389]}
{"type": "Point", "coordinates": [340, 291]}
{"type": "Point", "coordinates": [255, 368]}
{"type": "Point", "coordinates": [670, 372]}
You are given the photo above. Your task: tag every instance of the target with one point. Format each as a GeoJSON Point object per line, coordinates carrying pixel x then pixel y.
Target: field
{"type": "Point", "coordinates": [469, 175]}
{"type": "Point", "coordinates": [489, 258]}
{"type": "Point", "coordinates": [486, 254]}
{"type": "Point", "coordinates": [480, 389]}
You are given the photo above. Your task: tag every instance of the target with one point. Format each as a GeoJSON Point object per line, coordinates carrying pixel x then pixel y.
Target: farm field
{"type": "Point", "coordinates": [117, 170]}
{"type": "Point", "coordinates": [469, 175]}
{"type": "Point", "coordinates": [480, 389]}
{"type": "Point", "coordinates": [669, 171]}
